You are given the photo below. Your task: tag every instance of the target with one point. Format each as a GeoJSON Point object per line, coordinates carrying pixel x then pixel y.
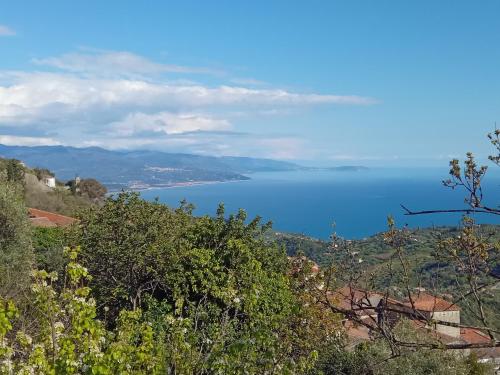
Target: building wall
{"type": "Point", "coordinates": [50, 182]}
{"type": "Point", "coordinates": [450, 317]}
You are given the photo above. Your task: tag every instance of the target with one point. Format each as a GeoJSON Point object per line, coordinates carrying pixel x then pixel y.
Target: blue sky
{"type": "Point", "coordinates": [330, 82]}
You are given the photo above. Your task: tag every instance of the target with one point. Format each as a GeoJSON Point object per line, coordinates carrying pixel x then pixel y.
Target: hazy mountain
{"type": "Point", "coordinates": [118, 169]}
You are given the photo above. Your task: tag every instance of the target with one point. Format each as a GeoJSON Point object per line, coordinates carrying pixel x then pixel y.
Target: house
{"type": "Point", "coordinates": [49, 181]}
{"type": "Point", "coordinates": [436, 316]}
{"type": "Point", "coordinates": [362, 303]}
{"type": "Point", "coordinates": [423, 306]}
{"type": "Point", "coordinates": [40, 218]}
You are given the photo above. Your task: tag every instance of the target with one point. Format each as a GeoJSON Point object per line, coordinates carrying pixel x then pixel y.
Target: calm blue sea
{"type": "Point", "coordinates": [310, 202]}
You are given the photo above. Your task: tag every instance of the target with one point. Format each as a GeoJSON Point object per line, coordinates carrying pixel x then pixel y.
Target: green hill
{"type": "Point", "coordinates": [38, 195]}
{"type": "Point", "coordinates": [427, 271]}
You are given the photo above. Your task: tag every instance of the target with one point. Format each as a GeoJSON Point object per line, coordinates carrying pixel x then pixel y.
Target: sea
{"type": "Point", "coordinates": [353, 204]}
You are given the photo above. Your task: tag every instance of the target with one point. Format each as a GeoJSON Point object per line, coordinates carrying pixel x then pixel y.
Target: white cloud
{"type": "Point", "coordinates": [248, 82]}
{"type": "Point", "coordinates": [212, 143]}
{"type": "Point", "coordinates": [122, 100]}
{"type": "Point", "coordinates": [6, 31]}
{"type": "Point", "coordinates": [12, 140]}
{"type": "Point", "coordinates": [166, 123]}
{"type": "Point", "coordinates": [31, 92]}
{"type": "Point", "coordinates": [63, 98]}
{"type": "Point", "coordinates": [115, 63]}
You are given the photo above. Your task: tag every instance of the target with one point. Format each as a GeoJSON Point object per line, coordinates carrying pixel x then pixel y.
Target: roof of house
{"type": "Point", "coordinates": [428, 302]}
{"type": "Point", "coordinates": [362, 301]}
{"type": "Point", "coordinates": [42, 218]}
{"type": "Point", "coordinates": [474, 336]}
{"type": "Point", "coordinates": [42, 222]}
{"type": "Point", "coordinates": [440, 336]}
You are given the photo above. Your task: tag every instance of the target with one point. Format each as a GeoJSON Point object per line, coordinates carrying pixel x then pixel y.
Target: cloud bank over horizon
{"type": "Point", "coordinates": [120, 100]}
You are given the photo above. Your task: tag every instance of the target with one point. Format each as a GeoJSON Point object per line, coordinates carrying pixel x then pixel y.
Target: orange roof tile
{"type": "Point", "coordinates": [474, 336]}
{"type": "Point", "coordinates": [40, 218]}
{"type": "Point", "coordinates": [427, 302]}
{"type": "Point", "coordinates": [42, 222]}
{"type": "Point", "coordinates": [362, 301]}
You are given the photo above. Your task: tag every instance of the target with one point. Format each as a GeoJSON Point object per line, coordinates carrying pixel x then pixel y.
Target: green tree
{"type": "Point", "coordinates": [15, 171]}
{"type": "Point", "coordinates": [92, 188]}
{"type": "Point", "coordinates": [69, 338]}
{"type": "Point", "coordinates": [215, 289]}
{"type": "Point", "coordinates": [41, 173]}
{"type": "Point", "coordinates": [48, 245]}
{"type": "Point", "coordinates": [16, 254]}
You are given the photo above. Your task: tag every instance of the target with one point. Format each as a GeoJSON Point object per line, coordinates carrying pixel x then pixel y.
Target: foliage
{"type": "Point", "coordinates": [217, 292]}
{"type": "Point", "coordinates": [48, 245]}
{"type": "Point", "coordinates": [16, 253]}
{"type": "Point", "coordinates": [56, 200]}
{"type": "Point", "coordinates": [41, 173]}
{"type": "Point", "coordinates": [15, 171]}
{"type": "Point", "coordinates": [162, 291]}
{"type": "Point", "coordinates": [430, 264]}
{"type": "Point", "coordinates": [92, 189]}
{"type": "Point", "coordinates": [69, 339]}
{"type": "Point", "coordinates": [37, 195]}
{"type": "Point", "coordinates": [375, 357]}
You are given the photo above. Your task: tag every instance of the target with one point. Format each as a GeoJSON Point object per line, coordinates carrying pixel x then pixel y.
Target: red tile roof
{"type": "Point", "coordinates": [427, 302]}
{"type": "Point", "coordinates": [42, 218]}
{"type": "Point", "coordinates": [474, 336]}
{"type": "Point", "coordinates": [362, 301]}
{"type": "Point", "coordinates": [42, 222]}
{"type": "Point", "coordinates": [467, 335]}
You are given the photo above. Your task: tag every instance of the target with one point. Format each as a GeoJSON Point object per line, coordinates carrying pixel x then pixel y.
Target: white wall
{"type": "Point", "coordinates": [450, 317]}
{"type": "Point", "coordinates": [50, 182]}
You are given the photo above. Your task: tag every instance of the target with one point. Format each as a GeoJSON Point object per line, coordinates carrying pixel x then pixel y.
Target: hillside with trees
{"type": "Point", "coordinates": [136, 287]}
{"type": "Point", "coordinates": [60, 198]}
{"type": "Point", "coordinates": [376, 256]}
{"type": "Point", "coordinates": [141, 169]}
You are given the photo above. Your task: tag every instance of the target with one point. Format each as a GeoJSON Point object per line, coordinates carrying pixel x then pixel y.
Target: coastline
{"type": "Point", "coordinates": [146, 187]}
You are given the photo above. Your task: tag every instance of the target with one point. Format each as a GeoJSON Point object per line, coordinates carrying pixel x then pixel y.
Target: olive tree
{"type": "Point", "coordinates": [16, 255]}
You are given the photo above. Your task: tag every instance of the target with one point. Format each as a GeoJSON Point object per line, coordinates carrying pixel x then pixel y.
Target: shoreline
{"type": "Point", "coordinates": [174, 185]}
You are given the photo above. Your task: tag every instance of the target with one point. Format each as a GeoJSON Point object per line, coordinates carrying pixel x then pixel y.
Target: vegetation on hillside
{"type": "Point", "coordinates": [59, 199]}
{"type": "Point", "coordinates": [429, 270]}
{"type": "Point", "coordinates": [16, 255]}
{"type": "Point", "coordinates": [136, 287]}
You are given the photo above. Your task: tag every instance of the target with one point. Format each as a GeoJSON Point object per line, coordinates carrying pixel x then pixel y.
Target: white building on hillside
{"type": "Point", "coordinates": [49, 181]}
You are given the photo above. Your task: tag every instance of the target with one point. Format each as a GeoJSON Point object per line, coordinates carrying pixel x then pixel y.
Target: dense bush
{"type": "Point", "coordinates": [16, 255]}
{"type": "Point", "coordinates": [68, 338]}
{"type": "Point", "coordinates": [92, 189]}
{"type": "Point", "coordinates": [216, 279]}
{"type": "Point", "coordinates": [376, 358]}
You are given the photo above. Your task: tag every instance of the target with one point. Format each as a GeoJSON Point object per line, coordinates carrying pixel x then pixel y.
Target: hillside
{"type": "Point", "coordinates": [58, 200]}
{"type": "Point", "coordinates": [140, 169]}
{"type": "Point", "coordinates": [376, 256]}
{"type": "Point", "coordinates": [37, 194]}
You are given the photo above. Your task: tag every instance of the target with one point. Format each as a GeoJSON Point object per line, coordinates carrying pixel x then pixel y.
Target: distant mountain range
{"type": "Point", "coordinates": [140, 169]}
{"type": "Point", "coordinates": [144, 169]}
